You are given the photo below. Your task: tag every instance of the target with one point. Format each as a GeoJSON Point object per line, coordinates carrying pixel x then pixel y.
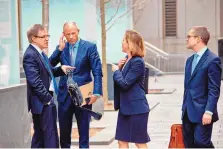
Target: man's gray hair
{"type": "Point", "coordinates": [34, 30]}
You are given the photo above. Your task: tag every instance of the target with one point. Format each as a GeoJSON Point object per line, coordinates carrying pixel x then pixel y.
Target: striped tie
{"type": "Point", "coordinates": [49, 70]}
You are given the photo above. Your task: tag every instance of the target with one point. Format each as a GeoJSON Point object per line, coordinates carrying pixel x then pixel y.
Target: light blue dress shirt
{"type": "Point", "coordinates": [73, 53]}
{"type": "Point", "coordinates": [201, 53]}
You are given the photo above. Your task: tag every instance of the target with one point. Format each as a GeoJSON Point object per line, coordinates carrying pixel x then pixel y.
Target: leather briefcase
{"type": "Point", "coordinates": [176, 138]}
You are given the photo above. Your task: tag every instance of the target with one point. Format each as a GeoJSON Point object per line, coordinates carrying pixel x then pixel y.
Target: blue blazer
{"type": "Point", "coordinates": [87, 61]}
{"type": "Point", "coordinates": [38, 80]}
{"type": "Point", "coordinates": [202, 88]}
{"type": "Point", "coordinates": [129, 94]}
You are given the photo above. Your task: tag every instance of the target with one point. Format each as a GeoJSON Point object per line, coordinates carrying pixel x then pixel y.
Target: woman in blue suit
{"type": "Point", "coordinates": [129, 93]}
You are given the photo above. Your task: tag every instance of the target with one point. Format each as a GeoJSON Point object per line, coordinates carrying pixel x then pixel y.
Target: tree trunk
{"type": "Point", "coordinates": [45, 17]}
{"type": "Point", "coordinates": [104, 62]}
{"type": "Point", "coordinates": [20, 39]}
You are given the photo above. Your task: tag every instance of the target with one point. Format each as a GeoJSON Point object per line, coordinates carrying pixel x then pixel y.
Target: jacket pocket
{"type": "Point", "coordinates": [201, 100]}
{"type": "Point", "coordinates": [198, 92]}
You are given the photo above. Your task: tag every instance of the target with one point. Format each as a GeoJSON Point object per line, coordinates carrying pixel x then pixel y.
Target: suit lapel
{"type": "Point", "coordinates": [200, 63]}
{"type": "Point", "coordinates": [126, 68]}
{"type": "Point", "coordinates": [40, 57]}
{"type": "Point", "coordinates": [190, 66]}
{"type": "Point", "coordinates": [188, 69]}
{"type": "Point", "coordinates": [79, 52]}
{"type": "Point", "coordinates": [67, 53]}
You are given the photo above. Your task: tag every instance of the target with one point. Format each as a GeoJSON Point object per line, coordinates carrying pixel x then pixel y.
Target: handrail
{"type": "Point", "coordinates": [154, 48]}
{"type": "Point", "coordinates": [164, 62]}
{"type": "Point", "coordinates": [156, 69]}
{"type": "Point", "coordinates": [154, 52]}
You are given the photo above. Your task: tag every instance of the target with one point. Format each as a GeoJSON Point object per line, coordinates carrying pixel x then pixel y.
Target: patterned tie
{"type": "Point", "coordinates": [194, 63]}
{"type": "Point", "coordinates": [49, 70]}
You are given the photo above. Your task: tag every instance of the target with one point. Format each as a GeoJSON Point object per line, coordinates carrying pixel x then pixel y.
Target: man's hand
{"type": "Point", "coordinates": [93, 99]}
{"type": "Point", "coordinates": [66, 68]}
{"type": "Point", "coordinates": [207, 118]}
{"type": "Point", "coordinates": [62, 42]}
{"type": "Point", "coordinates": [49, 103]}
{"type": "Point", "coordinates": [121, 63]}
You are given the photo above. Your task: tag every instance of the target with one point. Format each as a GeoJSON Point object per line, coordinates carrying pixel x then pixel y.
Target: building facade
{"type": "Point", "coordinates": [165, 23]}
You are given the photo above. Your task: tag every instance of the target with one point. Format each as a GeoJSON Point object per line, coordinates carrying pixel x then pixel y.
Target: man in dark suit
{"type": "Point", "coordinates": [40, 101]}
{"type": "Point", "coordinates": [83, 55]}
{"type": "Point", "coordinates": [201, 90]}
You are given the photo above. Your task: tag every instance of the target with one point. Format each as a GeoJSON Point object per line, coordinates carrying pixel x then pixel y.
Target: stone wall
{"type": "Point", "coordinates": [14, 118]}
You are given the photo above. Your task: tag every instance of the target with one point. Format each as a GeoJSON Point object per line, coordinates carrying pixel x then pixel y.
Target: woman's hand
{"type": "Point", "coordinates": [121, 63]}
{"type": "Point", "coordinates": [114, 67]}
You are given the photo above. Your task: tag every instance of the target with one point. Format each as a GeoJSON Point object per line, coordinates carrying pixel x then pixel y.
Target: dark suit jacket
{"type": "Point", "coordinates": [38, 80]}
{"type": "Point", "coordinates": [129, 94]}
{"type": "Point", "coordinates": [202, 88]}
{"type": "Point", "coordinates": [87, 60]}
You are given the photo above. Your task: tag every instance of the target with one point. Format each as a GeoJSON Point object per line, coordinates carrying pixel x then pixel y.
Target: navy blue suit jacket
{"type": "Point", "coordinates": [202, 88]}
{"type": "Point", "coordinates": [129, 94]}
{"type": "Point", "coordinates": [87, 61]}
{"type": "Point", "coordinates": [38, 80]}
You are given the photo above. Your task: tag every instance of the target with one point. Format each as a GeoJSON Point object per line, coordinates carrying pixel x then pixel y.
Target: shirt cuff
{"type": "Point", "coordinates": [209, 112]}
{"type": "Point", "coordinates": [60, 50]}
{"type": "Point", "coordinates": [50, 101]}
{"type": "Point", "coordinates": [51, 86]}
{"type": "Point", "coordinates": [98, 95]}
{"type": "Point", "coordinates": [116, 70]}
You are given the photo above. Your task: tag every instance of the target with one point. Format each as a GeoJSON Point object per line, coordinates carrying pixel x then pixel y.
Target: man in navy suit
{"type": "Point", "coordinates": [40, 101]}
{"type": "Point", "coordinates": [83, 55]}
{"type": "Point", "coordinates": [201, 90]}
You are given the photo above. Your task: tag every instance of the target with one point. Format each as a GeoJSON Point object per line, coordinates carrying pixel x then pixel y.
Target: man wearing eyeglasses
{"type": "Point", "coordinates": [82, 55]}
{"type": "Point", "coordinates": [38, 75]}
{"type": "Point", "coordinates": [201, 90]}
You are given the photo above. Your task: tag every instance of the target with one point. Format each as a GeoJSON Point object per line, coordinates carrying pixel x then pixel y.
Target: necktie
{"type": "Point", "coordinates": [49, 70]}
{"type": "Point", "coordinates": [194, 63]}
{"type": "Point", "coordinates": [72, 55]}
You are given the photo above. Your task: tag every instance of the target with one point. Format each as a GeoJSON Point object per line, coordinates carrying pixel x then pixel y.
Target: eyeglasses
{"type": "Point", "coordinates": [45, 36]}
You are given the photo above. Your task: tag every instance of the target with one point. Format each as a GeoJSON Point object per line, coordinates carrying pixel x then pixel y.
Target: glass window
{"type": "Point", "coordinates": [9, 51]}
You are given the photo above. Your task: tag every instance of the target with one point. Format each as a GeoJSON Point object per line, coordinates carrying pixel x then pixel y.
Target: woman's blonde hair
{"type": "Point", "coordinates": [135, 43]}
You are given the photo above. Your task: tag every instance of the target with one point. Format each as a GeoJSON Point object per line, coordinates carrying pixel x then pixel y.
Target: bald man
{"type": "Point", "coordinates": [83, 55]}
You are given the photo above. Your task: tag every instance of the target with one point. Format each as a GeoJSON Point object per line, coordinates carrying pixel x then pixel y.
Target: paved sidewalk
{"type": "Point", "coordinates": [166, 112]}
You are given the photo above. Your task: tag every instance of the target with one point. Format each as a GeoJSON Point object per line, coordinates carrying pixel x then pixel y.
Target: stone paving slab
{"type": "Point", "coordinates": [108, 122]}
{"type": "Point", "coordinates": [166, 113]}
{"type": "Point", "coordinates": [163, 91]}
{"type": "Point", "coordinates": [104, 137]}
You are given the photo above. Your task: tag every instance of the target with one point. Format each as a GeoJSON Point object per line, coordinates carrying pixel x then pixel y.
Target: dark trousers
{"type": "Point", "coordinates": [196, 135]}
{"type": "Point", "coordinates": [65, 113]}
{"type": "Point", "coordinates": [45, 128]}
